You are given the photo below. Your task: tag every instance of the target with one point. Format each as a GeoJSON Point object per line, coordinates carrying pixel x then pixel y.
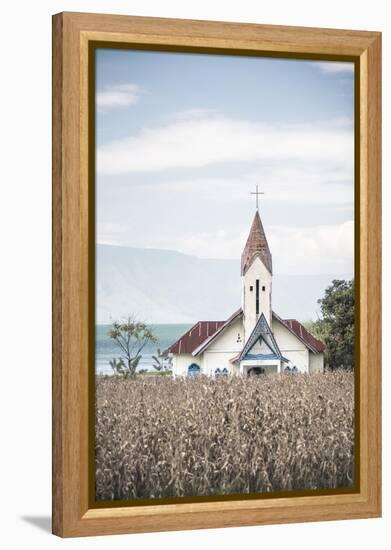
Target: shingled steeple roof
{"type": "Point", "coordinates": [256, 245]}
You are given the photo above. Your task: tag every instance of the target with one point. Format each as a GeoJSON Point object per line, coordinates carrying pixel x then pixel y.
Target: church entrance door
{"type": "Point", "coordinates": [256, 371]}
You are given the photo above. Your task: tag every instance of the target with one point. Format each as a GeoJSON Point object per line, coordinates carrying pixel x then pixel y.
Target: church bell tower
{"type": "Point", "coordinates": [256, 272]}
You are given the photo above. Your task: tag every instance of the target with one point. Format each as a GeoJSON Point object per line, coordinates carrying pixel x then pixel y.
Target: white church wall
{"type": "Point", "coordinates": [230, 340]}
{"type": "Point", "coordinates": [226, 346]}
{"type": "Point", "coordinates": [182, 362]}
{"type": "Point", "coordinates": [290, 346]}
{"type": "Point", "coordinates": [208, 363]}
{"type": "Point", "coordinates": [316, 362]}
{"type": "Point", "coordinates": [257, 270]}
{"type": "Point", "coordinates": [218, 360]}
{"type": "Point", "coordinates": [285, 338]}
{"type": "Point", "coordinates": [299, 359]}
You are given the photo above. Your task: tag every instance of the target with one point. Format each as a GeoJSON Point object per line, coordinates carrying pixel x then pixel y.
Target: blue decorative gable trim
{"type": "Point", "coordinates": [261, 333]}
{"type": "Point", "coordinates": [261, 356]}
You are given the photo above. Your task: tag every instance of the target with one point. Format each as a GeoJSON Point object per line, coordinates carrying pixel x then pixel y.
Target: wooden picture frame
{"type": "Point", "coordinates": [73, 34]}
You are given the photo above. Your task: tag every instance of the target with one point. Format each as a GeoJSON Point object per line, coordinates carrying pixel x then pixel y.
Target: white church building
{"type": "Point", "coordinates": [254, 339]}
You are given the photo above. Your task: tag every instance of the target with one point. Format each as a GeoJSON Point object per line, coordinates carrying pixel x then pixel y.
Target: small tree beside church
{"type": "Point", "coordinates": [131, 337]}
{"type": "Point", "coordinates": [336, 326]}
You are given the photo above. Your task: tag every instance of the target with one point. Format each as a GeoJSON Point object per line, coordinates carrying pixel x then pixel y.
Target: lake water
{"type": "Point", "coordinates": [106, 349]}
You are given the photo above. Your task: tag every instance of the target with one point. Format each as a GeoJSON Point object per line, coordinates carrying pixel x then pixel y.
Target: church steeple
{"type": "Point", "coordinates": [256, 271]}
{"type": "Point", "coordinates": [256, 245]}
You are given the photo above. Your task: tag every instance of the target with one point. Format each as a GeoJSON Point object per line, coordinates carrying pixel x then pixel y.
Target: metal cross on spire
{"type": "Point", "coordinates": [257, 193]}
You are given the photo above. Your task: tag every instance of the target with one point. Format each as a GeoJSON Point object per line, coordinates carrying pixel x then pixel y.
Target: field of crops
{"type": "Point", "coordinates": [158, 437]}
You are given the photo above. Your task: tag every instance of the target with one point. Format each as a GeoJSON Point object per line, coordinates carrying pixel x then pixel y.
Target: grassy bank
{"type": "Point", "coordinates": [159, 437]}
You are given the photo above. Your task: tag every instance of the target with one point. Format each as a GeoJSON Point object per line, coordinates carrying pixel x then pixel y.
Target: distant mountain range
{"type": "Point", "coordinates": [164, 286]}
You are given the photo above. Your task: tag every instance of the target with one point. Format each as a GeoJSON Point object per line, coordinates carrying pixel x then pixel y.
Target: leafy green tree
{"type": "Point", "coordinates": [317, 328]}
{"type": "Point", "coordinates": [336, 325]}
{"type": "Point", "coordinates": [131, 337]}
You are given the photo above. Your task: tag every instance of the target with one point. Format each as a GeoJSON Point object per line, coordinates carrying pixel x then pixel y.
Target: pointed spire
{"type": "Point", "coordinates": [256, 245]}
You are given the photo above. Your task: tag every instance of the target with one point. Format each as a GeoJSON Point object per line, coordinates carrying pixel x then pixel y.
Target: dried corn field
{"type": "Point", "coordinates": [158, 437]}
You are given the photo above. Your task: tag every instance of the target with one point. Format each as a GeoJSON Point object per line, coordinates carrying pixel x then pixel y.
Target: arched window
{"type": "Point", "coordinates": [224, 372]}
{"type": "Point", "coordinates": [217, 372]}
{"type": "Point", "coordinates": [193, 370]}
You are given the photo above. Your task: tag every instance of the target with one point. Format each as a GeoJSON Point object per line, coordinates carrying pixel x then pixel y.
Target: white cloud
{"type": "Point", "coordinates": [219, 244]}
{"type": "Point", "coordinates": [200, 141]}
{"type": "Point", "coordinates": [295, 250]}
{"type": "Point", "coordinates": [331, 67]}
{"type": "Point", "coordinates": [120, 95]}
{"type": "Point", "coordinates": [310, 250]}
{"type": "Point", "coordinates": [297, 186]}
{"type": "Point", "coordinates": [188, 114]}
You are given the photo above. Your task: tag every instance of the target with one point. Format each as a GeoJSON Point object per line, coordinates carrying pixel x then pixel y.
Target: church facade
{"type": "Point", "coordinates": [254, 339]}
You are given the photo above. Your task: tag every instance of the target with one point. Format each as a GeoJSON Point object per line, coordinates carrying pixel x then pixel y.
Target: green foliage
{"type": "Point", "coordinates": [131, 338]}
{"type": "Point", "coordinates": [118, 366]}
{"type": "Point", "coordinates": [165, 372]}
{"type": "Point", "coordinates": [317, 328]}
{"type": "Point", "coordinates": [162, 361]}
{"type": "Point", "coordinates": [152, 374]}
{"type": "Point", "coordinates": [142, 371]}
{"type": "Point", "coordinates": [336, 325]}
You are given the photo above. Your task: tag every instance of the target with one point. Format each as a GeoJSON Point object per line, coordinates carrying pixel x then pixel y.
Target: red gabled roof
{"type": "Point", "coordinates": [306, 337]}
{"type": "Point", "coordinates": [204, 332]}
{"type": "Point", "coordinates": [195, 336]}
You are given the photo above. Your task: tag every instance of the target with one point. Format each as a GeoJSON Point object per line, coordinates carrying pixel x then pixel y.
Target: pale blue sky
{"type": "Point", "coordinates": [183, 138]}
